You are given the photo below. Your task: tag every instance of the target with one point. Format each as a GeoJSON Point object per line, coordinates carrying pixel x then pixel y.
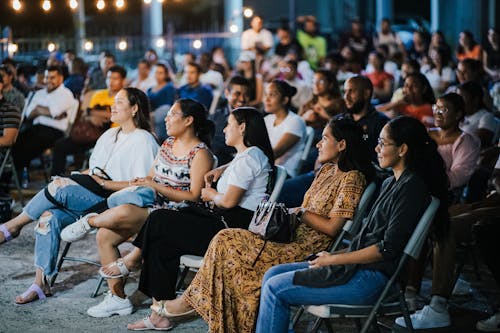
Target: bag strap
{"type": "Point", "coordinates": [58, 204]}
{"type": "Point", "coordinates": [260, 252]}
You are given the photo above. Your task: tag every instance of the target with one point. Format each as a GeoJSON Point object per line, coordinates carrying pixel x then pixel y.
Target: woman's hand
{"type": "Point", "coordinates": [324, 259]}
{"type": "Point", "coordinates": [208, 194]}
{"type": "Point", "coordinates": [145, 181]}
{"type": "Point", "coordinates": [213, 175]}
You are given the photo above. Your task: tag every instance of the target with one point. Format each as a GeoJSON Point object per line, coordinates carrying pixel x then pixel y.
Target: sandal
{"type": "Point", "coordinates": [124, 272]}
{"type": "Point", "coordinates": [160, 308]}
{"type": "Point", "coordinates": [6, 234]}
{"type": "Point", "coordinates": [148, 325]}
{"type": "Point", "coordinates": [34, 288]}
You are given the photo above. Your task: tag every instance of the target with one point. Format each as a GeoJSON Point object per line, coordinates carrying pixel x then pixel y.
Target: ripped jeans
{"type": "Point", "coordinates": [48, 227]}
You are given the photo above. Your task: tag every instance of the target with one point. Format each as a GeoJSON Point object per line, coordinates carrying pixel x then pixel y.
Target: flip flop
{"type": "Point", "coordinates": [6, 234]}
{"type": "Point", "coordinates": [124, 272]}
{"type": "Point", "coordinates": [149, 326]}
{"type": "Point", "coordinates": [33, 288]}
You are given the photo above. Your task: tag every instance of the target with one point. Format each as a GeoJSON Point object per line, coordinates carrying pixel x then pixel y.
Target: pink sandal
{"type": "Point", "coordinates": [33, 288]}
{"type": "Point", "coordinates": [6, 234]}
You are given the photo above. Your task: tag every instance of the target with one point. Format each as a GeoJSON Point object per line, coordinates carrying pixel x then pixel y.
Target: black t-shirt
{"type": "Point", "coordinates": [282, 50]}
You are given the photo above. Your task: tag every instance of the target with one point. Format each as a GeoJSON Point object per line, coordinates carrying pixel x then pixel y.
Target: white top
{"type": "Point", "coordinates": [131, 155]}
{"type": "Point", "coordinates": [432, 75]}
{"type": "Point", "coordinates": [214, 79]}
{"type": "Point", "coordinates": [292, 124]}
{"type": "Point", "coordinates": [248, 170]}
{"type": "Point", "coordinates": [480, 119]}
{"type": "Point", "coordinates": [144, 85]}
{"type": "Point", "coordinates": [304, 92]}
{"type": "Point", "coordinates": [58, 101]}
{"type": "Point", "coordinates": [391, 39]}
{"type": "Point", "coordinates": [249, 38]}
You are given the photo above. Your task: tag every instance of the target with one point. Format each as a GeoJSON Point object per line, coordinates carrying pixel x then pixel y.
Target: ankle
{"type": "Point", "coordinates": [439, 303]}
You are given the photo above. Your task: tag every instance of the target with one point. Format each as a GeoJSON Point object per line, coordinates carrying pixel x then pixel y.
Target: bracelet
{"type": "Point", "coordinates": [301, 212]}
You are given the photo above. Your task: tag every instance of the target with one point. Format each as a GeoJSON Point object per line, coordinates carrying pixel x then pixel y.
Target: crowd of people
{"type": "Point", "coordinates": [417, 121]}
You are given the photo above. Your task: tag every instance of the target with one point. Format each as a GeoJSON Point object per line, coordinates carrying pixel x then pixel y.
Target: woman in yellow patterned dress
{"type": "Point", "coordinates": [226, 290]}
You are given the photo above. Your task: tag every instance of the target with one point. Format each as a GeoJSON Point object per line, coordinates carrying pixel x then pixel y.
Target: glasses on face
{"type": "Point", "coordinates": [285, 69]}
{"type": "Point", "coordinates": [381, 143]}
{"type": "Point", "coordinates": [439, 110]}
{"type": "Point", "coordinates": [321, 81]}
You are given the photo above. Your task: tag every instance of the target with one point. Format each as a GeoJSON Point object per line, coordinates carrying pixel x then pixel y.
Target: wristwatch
{"type": "Point", "coordinates": [300, 212]}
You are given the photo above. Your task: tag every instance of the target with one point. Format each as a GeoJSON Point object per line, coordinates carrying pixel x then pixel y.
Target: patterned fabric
{"type": "Point", "coordinates": [226, 290]}
{"type": "Point", "coordinates": [173, 171]}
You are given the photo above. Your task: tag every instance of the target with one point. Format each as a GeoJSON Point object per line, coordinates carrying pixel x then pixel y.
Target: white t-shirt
{"type": "Point", "coordinates": [144, 85]}
{"type": "Point", "coordinates": [132, 154]}
{"type": "Point", "coordinates": [432, 75]}
{"type": "Point", "coordinates": [250, 37]}
{"type": "Point", "coordinates": [292, 124]}
{"type": "Point", "coordinates": [214, 79]}
{"type": "Point", "coordinates": [480, 119]}
{"type": "Point", "coordinates": [303, 95]}
{"type": "Point", "coordinates": [248, 170]}
{"type": "Point", "coordinates": [58, 101]}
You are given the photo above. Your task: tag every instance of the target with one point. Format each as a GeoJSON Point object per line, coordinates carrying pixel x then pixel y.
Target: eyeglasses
{"type": "Point", "coordinates": [318, 81]}
{"type": "Point", "coordinates": [440, 110]}
{"type": "Point", "coordinates": [285, 69]}
{"type": "Point", "coordinates": [382, 144]}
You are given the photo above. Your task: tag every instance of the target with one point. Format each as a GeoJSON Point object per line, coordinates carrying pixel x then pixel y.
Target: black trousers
{"type": "Point", "coordinates": [486, 235]}
{"type": "Point", "coordinates": [32, 143]}
{"type": "Point", "coordinates": [169, 234]}
{"type": "Point", "coordinates": [62, 148]}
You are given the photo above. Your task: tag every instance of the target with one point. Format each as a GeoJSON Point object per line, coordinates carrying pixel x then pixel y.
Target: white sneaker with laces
{"type": "Point", "coordinates": [491, 324]}
{"type": "Point", "coordinates": [77, 230]}
{"type": "Point", "coordinates": [111, 305]}
{"type": "Point", "coordinates": [426, 318]}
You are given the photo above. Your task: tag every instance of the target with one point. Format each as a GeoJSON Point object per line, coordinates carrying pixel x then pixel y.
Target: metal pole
{"type": "Point", "coordinates": [292, 14]}
{"type": "Point", "coordinates": [233, 15]}
{"type": "Point", "coordinates": [79, 22]}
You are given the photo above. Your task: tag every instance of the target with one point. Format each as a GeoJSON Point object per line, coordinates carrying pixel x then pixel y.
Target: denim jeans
{"type": "Point", "coordinates": [47, 236]}
{"type": "Point", "coordinates": [141, 196]}
{"type": "Point", "coordinates": [279, 293]}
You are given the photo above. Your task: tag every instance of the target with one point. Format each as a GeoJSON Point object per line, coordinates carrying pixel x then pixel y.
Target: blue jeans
{"type": "Point", "coordinates": [279, 293]}
{"type": "Point", "coordinates": [47, 236]}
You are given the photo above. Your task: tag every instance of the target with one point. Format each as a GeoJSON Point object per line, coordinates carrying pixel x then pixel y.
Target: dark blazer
{"type": "Point", "coordinates": [389, 225]}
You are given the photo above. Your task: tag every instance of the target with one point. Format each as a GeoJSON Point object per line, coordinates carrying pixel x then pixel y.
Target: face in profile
{"type": "Point", "coordinates": [329, 147]}
{"type": "Point", "coordinates": [233, 131]}
{"type": "Point", "coordinates": [387, 151]}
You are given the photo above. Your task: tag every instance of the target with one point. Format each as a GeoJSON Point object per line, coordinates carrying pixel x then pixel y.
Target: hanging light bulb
{"type": "Point", "coordinates": [88, 46]}
{"type": "Point", "coordinates": [120, 4]}
{"type": "Point", "coordinates": [16, 5]}
{"type": "Point", "coordinates": [248, 12]}
{"type": "Point", "coordinates": [160, 42]}
{"type": "Point", "coordinates": [122, 45]}
{"type": "Point", "coordinates": [46, 5]}
{"type": "Point", "coordinates": [147, 2]}
{"type": "Point", "coordinates": [233, 28]}
{"type": "Point", "coordinates": [197, 44]}
{"type": "Point", "coordinates": [73, 4]}
{"type": "Point", "coordinates": [51, 47]}
{"type": "Point", "coordinates": [100, 4]}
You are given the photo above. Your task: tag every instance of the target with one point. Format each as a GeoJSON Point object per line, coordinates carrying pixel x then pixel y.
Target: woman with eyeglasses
{"type": "Point", "coordinates": [122, 152]}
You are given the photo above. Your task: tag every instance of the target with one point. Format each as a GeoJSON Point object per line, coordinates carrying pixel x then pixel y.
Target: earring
{"type": "Point", "coordinates": [133, 114]}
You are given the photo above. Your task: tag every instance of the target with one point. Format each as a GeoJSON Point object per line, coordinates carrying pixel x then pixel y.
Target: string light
{"type": "Point", "coordinates": [160, 43]}
{"type": "Point", "coordinates": [73, 4]}
{"type": "Point", "coordinates": [233, 28]}
{"type": "Point", "coordinates": [147, 2]}
{"type": "Point", "coordinates": [197, 44]}
{"type": "Point", "coordinates": [51, 47]}
{"type": "Point", "coordinates": [120, 4]}
{"type": "Point", "coordinates": [100, 4]}
{"type": "Point", "coordinates": [88, 45]}
{"type": "Point", "coordinates": [122, 45]}
{"type": "Point", "coordinates": [16, 5]}
{"type": "Point", "coordinates": [46, 5]}
{"type": "Point", "coordinates": [12, 48]}
{"type": "Point", "coordinates": [248, 12]}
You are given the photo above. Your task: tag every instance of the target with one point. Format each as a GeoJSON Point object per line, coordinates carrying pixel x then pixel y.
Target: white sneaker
{"type": "Point", "coordinates": [426, 318]}
{"type": "Point", "coordinates": [492, 324]}
{"type": "Point", "coordinates": [77, 230]}
{"type": "Point", "coordinates": [111, 305]}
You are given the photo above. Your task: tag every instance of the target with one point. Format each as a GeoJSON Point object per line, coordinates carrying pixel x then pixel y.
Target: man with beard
{"type": "Point", "coordinates": [358, 91]}
{"type": "Point", "coordinates": [236, 94]}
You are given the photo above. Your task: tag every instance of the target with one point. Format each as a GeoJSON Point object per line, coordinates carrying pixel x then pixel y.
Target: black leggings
{"type": "Point", "coordinates": [169, 234]}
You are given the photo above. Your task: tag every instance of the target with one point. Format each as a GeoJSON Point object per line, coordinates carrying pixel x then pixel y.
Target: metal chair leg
{"type": "Point", "coordinates": [98, 286]}
{"type": "Point", "coordinates": [297, 315]}
{"type": "Point", "coordinates": [316, 325]}
{"type": "Point", "coordinates": [182, 276]}
{"type": "Point", "coordinates": [59, 263]}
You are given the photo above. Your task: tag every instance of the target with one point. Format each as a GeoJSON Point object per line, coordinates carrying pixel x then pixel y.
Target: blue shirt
{"type": "Point", "coordinates": [200, 93]}
{"type": "Point", "coordinates": [164, 96]}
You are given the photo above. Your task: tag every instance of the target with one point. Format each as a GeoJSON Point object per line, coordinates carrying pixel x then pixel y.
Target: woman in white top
{"type": "Point", "coordinates": [123, 153]}
{"type": "Point", "coordinates": [287, 130]}
{"type": "Point", "coordinates": [168, 234]}
{"type": "Point", "coordinates": [438, 73]}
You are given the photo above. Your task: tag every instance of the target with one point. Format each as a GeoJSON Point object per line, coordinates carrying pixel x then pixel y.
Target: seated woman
{"type": "Point", "coordinates": [226, 289]}
{"type": "Point", "coordinates": [176, 175]}
{"type": "Point", "coordinates": [162, 97]}
{"type": "Point", "coordinates": [287, 131]}
{"type": "Point", "coordinates": [358, 275]}
{"type": "Point", "coordinates": [439, 74]}
{"type": "Point", "coordinates": [417, 101]}
{"type": "Point", "coordinates": [169, 234]}
{"type": "Point", "coordinates": [112, 153]}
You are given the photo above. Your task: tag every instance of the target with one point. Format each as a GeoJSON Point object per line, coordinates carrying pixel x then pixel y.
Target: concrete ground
{"type": "Point", "coordinates": [66, 310]}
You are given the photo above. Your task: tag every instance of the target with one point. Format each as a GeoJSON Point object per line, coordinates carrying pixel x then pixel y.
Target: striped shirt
{"type": "Point", "coordinates": [10, 116]}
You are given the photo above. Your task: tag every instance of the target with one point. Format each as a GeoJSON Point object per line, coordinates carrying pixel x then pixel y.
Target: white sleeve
{"type": "Point", "coordinates": [245, 42]}
{"type": "Point", "coordinates": [34, 102]}
{"type": "Point", "coordinates": [488, 122]}
{"type": "Point", "coordinates": [267, 39]}
{"type": "Point", "coordinates": [244, 170]}
{"type": "Point", "coordinates": [143, 157]}
{"type": "Point", "coordinates": [295, 126]}
{"type": "Point", "coordinates": [448, 75]}
{"type": "Point", "coordinates": [63, 102]}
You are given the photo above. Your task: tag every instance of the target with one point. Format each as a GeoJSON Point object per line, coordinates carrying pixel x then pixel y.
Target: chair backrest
{"type": "Point", "coordinates": [307, 149]}
{"type": "Point", "coordinates": [352, 227]}
{"type": "Point", "coordinates": [73, 112]}
{"type": "Point", "coordinates": [417, 239]}
{"type": "Point", "coordinates": [278, 184]}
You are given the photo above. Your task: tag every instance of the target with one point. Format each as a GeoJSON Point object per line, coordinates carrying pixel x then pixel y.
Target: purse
{"type": "Point", "coordinates": [272, 221]}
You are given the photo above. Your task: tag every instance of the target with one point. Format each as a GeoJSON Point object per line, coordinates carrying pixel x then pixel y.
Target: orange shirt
{"type": "Point", "coordinates": [475, 53]}
{"type": "Point", "coordinates": [421, 112]}
{"type": "Point", "coordinates": [378, 78]}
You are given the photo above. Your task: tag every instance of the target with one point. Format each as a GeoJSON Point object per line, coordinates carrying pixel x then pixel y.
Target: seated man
{"type": "Point", "coordinates": [10, 117]}
{"type": "Point", "coordinates": [193, 88]}
{"type": "Point", "coordinates": [98, 114]}
{"type": "Point", "coordinates": [47, 117]}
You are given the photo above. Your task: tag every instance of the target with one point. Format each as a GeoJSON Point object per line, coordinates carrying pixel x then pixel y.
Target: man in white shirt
{"type": "Point", "coordinates": [256, 37]}
{"type": "Point", "coordinates": [46, 119]}
{"type": "Point", "coordinates": [144, 80]}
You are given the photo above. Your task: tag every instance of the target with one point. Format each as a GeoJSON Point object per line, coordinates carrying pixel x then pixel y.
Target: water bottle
{"type": "Point", "coordinates": [24, 178]}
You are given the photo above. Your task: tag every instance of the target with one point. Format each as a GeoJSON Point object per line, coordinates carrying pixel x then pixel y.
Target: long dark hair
{"type": "Point", "coordinates": [427, 93]}
{"type": "Point", "coordinates": [356, 156]}
{"type": "Point", "coordinates": [255, 130]}
{"type": "Point", "coordinates": [138, 97]}
{"type": "Point", "coordinates": [285, 90]}
{"type": "Point", "coordinates": [424, 160]}
{"type": "Point", "coordinates": [470, 36]}
{"type": "Point", "coordinates": [203, 128]}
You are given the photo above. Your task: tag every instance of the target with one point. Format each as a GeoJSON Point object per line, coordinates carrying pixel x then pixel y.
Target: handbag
{"type": "Point", "coordinates": [272, 221]}
{"type": "Point", "coordinates": [90, 184]}
{"type": "Point", "coordinates": [202, 209]}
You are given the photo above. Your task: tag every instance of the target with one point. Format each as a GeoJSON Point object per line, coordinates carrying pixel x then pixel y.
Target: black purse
{"type": "Point", "coordinates": [272, 221]}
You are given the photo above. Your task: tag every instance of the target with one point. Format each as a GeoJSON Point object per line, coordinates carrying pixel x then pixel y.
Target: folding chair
{"type": "Point", "coordinates": [389, 301]}
{"type": "Point", "coordinates": [189, 262]}
{"type": "Point", "coordinates": [349, 230]}
{"type": "Point", "coordinates": [307, 149]}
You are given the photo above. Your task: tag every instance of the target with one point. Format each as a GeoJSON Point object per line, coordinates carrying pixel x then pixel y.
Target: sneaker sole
{"type": "Point", "coordinates": [122, 312]}
{"type": "Point", "coordinates": [482, 328]}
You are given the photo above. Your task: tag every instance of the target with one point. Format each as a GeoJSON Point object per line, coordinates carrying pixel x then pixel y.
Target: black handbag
{"type": "Point", "coordinates": [272, 221]}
